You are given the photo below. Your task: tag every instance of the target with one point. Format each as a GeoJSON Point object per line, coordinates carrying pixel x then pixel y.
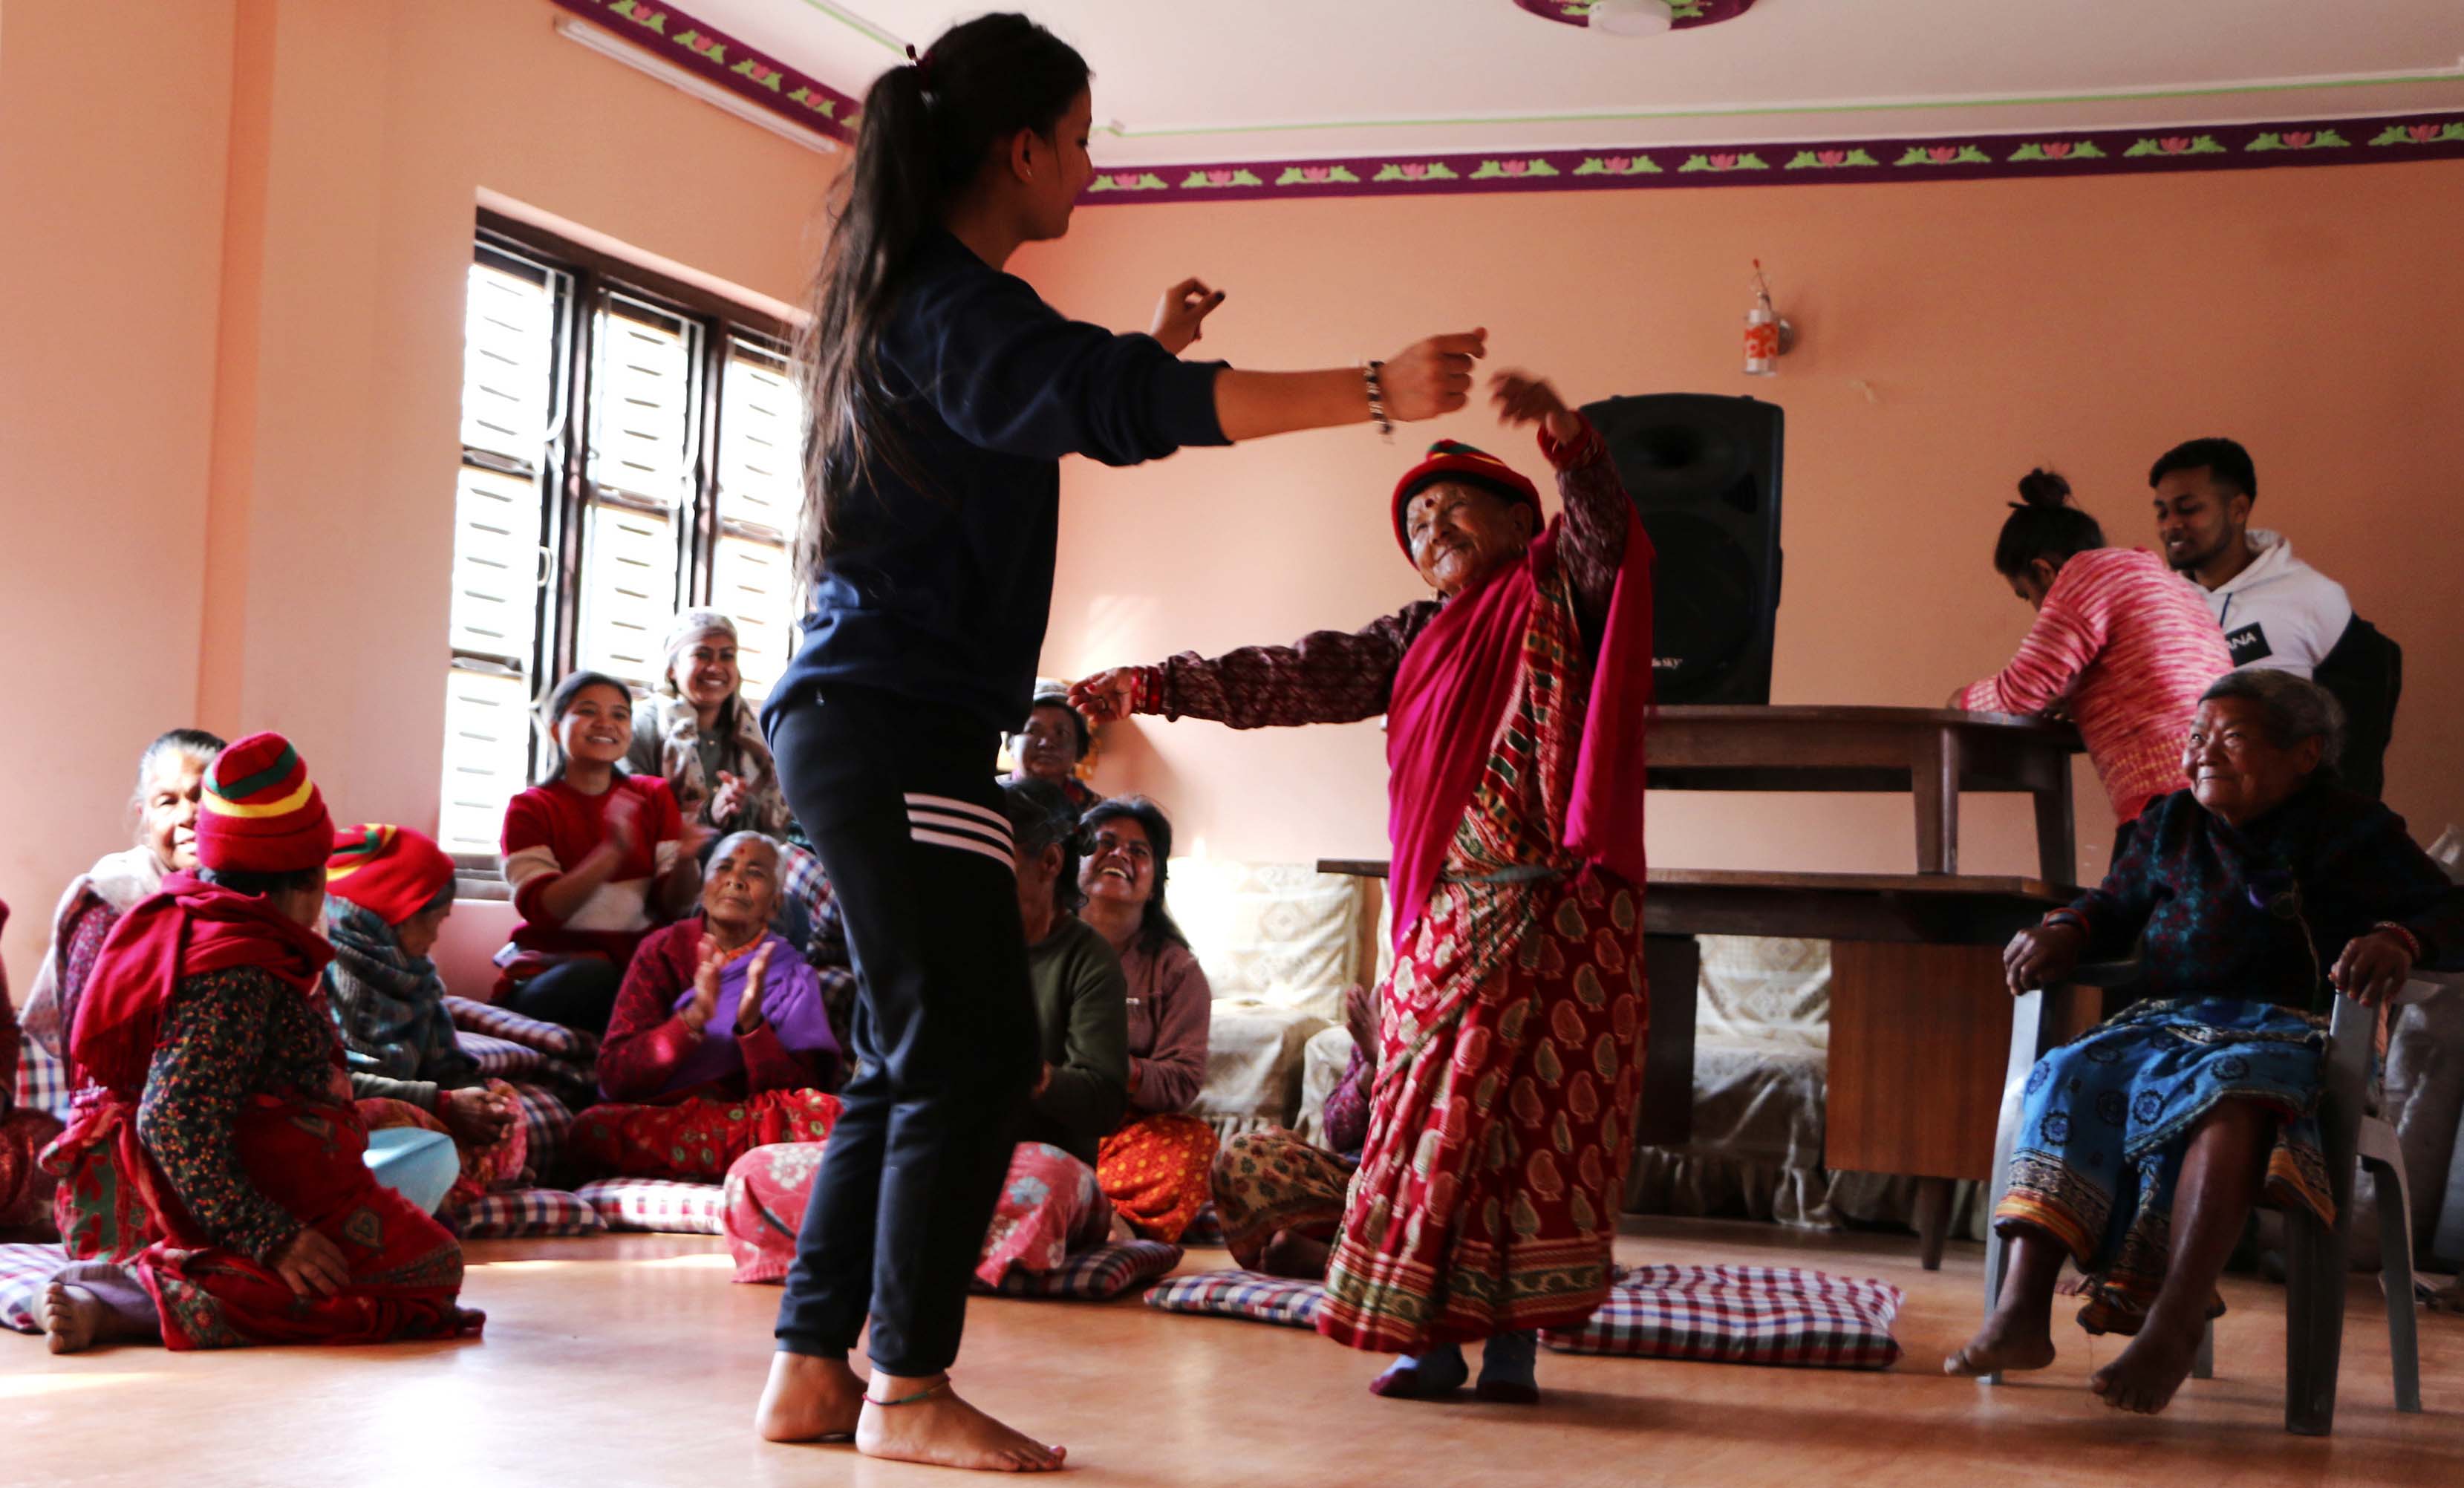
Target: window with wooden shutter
{"type": "Point", "coordinates": [629, 447]}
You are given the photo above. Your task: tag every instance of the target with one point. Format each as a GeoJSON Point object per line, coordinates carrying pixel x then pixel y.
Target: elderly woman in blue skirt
{"type": "Point", "coordinates": [2253, 897]}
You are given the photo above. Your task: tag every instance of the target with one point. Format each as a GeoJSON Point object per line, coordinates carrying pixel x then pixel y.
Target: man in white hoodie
{"type": "Point", "coordinates": [2276, 610]}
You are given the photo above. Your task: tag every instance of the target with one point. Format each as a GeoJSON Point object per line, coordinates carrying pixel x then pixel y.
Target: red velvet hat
{"type": "Point", "coordinates": [1448, 460]}
{"type": "Point", "coordinates": [260, 812]}
{"type": "Point", "coordinates": [391, 871]}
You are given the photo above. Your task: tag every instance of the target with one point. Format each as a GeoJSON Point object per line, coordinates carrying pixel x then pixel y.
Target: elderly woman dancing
{"type": "Point", "coordinates": [2254, 897]}
{"type": "Point", "coordinates": [1512, 1024]}
{"type": "Point", "coordinates": [220, 1097]}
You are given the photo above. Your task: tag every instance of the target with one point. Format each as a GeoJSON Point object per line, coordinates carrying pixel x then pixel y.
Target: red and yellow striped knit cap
{"type": "Point", "coordinates": [260, 812]}
{"type": "Point", "coordinates": [391, 871]}
{"type": "Point", "coordinates": [1449, 460]}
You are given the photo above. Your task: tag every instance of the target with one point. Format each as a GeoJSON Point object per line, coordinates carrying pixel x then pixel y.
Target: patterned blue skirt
{"type": "Point", "coordinates": [2105, 1121]}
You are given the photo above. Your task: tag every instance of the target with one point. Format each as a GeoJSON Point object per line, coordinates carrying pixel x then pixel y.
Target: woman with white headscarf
{"type": "Point", "coordinates": [699, 732]}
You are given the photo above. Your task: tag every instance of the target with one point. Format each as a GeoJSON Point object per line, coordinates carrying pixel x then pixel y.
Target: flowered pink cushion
{"type": "Point", "coordinates": [663, 1204]}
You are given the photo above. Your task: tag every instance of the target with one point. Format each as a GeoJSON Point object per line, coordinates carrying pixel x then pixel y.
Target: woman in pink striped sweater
{"type": "Point", "coordinates": [2122, 642]}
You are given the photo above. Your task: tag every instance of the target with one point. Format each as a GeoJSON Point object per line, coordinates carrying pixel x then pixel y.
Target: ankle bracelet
{"type": "Point", "coordinates": [926, 1394]}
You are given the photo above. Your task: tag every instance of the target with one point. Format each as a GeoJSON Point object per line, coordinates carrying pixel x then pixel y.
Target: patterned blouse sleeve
{"type": "Point", "coordinates": [1330, 676]}
{"type": "Point", "coordinates": [214, 1041]}
{"type": "Point", "coordinates": [2066, 637]}
{"type": "Point", "coordinates": [1591, 542]}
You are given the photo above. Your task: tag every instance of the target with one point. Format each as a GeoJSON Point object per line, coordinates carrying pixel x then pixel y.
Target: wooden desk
{"type": "Point", "coordinates": [1932, 753]}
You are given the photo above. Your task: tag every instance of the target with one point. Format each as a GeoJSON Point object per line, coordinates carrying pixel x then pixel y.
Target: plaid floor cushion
{"type": "Point", "coordinates": [24, 1269]}
{"type": "Point", "coordinates": [548, 1119]}
{"type": "Point", "coordinates": [1253, 1295]}
{"type": "Point", "coordinates": [42, 1082]}
{"type": "Point", "coordinates": [525, 1214]}
{"type": "Point", "coordinates": [502, 1058]}
{"type": "Point", "coordinates": [1098, 1275]}
{"type": "Point", "coordinates": [511, 1027]}
{"type": "Point", "coordinates": [1742, 1315]}
{"type": "Point", "coordinates": [662, 1204]}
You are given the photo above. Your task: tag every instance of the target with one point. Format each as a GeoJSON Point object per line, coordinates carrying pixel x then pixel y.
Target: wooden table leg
{"type": "Point", "coordinates": [1934, 774]}
{"type": "Point", "coordinates": [1665, 1116]}
{"type": "Point", "coordinates": [1933, 1220]}
{"type": "Point", "coordinates": [2056, 831]}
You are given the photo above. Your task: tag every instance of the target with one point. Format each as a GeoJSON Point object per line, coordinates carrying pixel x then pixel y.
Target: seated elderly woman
{"type": "Point", "coordinates": [597, 858]}
{"type": "Point", "coordinates": [719, 1042]}
{"type": "Point", "coordinates": [1515, 699]}
{"type": "Point", "coordinates": [1278, 1195]}
{"type": "Point", "coordinates": [388, 891]}
{"type": "Point", "coordinates": [2253, 897]}
{"type": "Point", "coordinates": [219, 1089]}
{"type": "Point", "coordinates": [1052, 1205]}
{"type": "Point", "coordinates": [698, 733]}
{"type": "Point", "coordinates": [170, 776]}
{"type": "Point", "coordinates": [1153, 1169]}
{"type": "Point", "coordinates": [24, 1186]}
{"type": "Point", "coordinates": [1050, 746]}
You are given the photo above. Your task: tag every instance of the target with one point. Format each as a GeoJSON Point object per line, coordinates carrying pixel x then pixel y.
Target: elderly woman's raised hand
{"type": "Point", "coordinates": [2041, 955]}
{"type": "Point", "coordinates": [1432, 377]}
{"type": "Point", "coordinates": [474, 1114]}
{"type": "Point", "coordinates": [749, 1011]}
{"type": "Point", "coordinates": [2373, 968]}
{"type": "Point", "coordinates": [1523, 399]}
{"type": "Point", "coordinates": [1106, 696]}
{"type": "Point", "coordinates": [695, 1015]}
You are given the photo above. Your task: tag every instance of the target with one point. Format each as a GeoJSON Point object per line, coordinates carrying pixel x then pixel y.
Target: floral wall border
{"type": "Point", "coordinates": [2043, 154]}
{"type": "Point", "coordinates": [714, 55]}
{"type": "Point", "coordinates": [706, 52]}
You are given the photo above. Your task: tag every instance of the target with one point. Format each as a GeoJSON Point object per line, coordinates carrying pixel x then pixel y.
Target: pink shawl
{"type": "Point", "coordinates": [1451, 693]}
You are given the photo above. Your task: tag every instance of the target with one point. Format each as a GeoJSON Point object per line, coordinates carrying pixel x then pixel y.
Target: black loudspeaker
{"type": "Point", "coordinates": [1704, 470]}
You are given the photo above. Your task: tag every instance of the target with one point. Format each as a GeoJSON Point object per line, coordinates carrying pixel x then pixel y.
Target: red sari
{"type": "Point", "coordinates": [1510, 1044]}
{"type": "Point", "coordinates": [297, 1139]}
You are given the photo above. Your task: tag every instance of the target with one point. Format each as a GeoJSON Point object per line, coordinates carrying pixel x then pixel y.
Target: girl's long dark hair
{"type": "Point", "coordinates": [924, 133]}
{"type": "Point", "coordinates": [2043, 524]}
{"type": "Point", "coordinates": [1157, 928]}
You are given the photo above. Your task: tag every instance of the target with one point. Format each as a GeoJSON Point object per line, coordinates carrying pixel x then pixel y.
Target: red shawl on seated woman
{"type": "Point", "coordinates": [1451, 691]}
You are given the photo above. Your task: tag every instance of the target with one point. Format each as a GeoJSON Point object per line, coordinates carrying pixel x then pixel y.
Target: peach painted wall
{"type": "Point", "coordinates": [114, 129]}
{"type": "Point", "coordinates": [274, 200]}
{"type": "Point", "coordinates": [1953, 336]}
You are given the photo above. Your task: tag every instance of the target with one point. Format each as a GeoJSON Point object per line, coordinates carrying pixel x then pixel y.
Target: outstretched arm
{"type": "Point", "coordinates": [1590, 544]}
{"type": "Point", "coordinates": [1331, 676]}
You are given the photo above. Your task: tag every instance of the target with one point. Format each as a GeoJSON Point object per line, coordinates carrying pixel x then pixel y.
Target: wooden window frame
{"type": "Point", "coordinates": [591, 276]}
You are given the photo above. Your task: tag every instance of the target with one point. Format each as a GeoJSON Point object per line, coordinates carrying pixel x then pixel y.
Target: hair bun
{"type": "Point", "coordinates": [2042, 488]}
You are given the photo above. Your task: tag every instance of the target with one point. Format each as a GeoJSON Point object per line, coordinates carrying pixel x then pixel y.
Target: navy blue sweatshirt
{"type": "Point", "coordinates": [942, 595]}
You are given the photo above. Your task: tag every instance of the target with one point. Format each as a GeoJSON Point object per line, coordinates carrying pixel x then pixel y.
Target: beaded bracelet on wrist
{"type": "Point", "coordinates": [1374, 373]}
{"type": "Point", "coordinates": [2411, 942]}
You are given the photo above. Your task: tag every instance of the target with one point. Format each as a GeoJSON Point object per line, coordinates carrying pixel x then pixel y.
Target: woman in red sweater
{"type": "Point", "coordinates": [597, 861]}
{"type": "Point", "coordinates": [2122, 642]}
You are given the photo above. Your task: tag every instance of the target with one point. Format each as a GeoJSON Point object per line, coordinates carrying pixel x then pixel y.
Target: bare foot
{"type": "Point", "coordinates": [810, 1397]}
{"type": "Point", "coordinates": [71, 1316]}
{"type": "Point", "coordinates": [2003, 1345]}
{"type": "Point", "coordinates": [944, 1431]}
{"type": "Point", "coordinates": [2143, 1379]}
{"type": "Point", "coordinates": [1122, 1231]}
{"type": "Point", "coordinates": [1294, 1255]}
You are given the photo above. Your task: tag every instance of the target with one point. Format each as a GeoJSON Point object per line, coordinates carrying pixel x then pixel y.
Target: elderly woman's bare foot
{"type": "Point", "coordinates": [72, 1316]}
{"type": "Point", "coordinates": [940, 1430]}
{"type": "Point", "coordinates": [2004, 1345]}
{"type": "Point", "coordinates": [2145, 1376]}
{"type": "Point", "coordinates": [810, 1397]}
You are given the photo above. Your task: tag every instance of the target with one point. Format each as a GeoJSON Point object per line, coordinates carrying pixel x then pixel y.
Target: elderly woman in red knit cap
{"type": "Point", "coordinates": [220, 1098]}
{"type": "Point", "coordinates": [1511, 1028]}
